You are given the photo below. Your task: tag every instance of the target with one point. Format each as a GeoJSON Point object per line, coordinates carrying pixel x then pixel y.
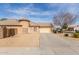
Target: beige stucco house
{"type": "Point", "coordinates": [11, 27]}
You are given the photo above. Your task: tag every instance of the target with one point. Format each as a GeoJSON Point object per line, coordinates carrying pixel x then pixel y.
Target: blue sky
{"type": "Point", "coordinates": [38, 12]}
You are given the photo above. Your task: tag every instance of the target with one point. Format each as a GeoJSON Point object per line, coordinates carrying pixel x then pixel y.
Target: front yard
{"type": "Point", "coordinates": [21, 40]}
{"type": "Point", "coordinates": [49, 44]}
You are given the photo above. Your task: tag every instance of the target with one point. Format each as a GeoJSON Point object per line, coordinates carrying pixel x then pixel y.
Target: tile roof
{"type": "Point", "coordinates": [16, 22]}
{"type": "Point", "coordinates": [40, 24]}
{"type": "Point", "coordinates": [24, 19]}
{"type": "Point", "coordinates": [44, 24]}
{"type": "Point", "coordinates": [33, 24]}
{"type": "Point", "coordinates": [9, 22]}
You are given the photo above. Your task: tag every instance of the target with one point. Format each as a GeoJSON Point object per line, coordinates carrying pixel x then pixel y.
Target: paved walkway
{"type": "Point", "coordinates": [49, 44]}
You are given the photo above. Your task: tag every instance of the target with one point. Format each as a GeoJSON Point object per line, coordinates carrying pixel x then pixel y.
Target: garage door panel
{"type": "Point", "coordinates": [45, 30]}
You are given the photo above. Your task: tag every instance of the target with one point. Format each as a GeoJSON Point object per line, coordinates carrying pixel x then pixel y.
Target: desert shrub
{"type": "Point", "coordinates": [66, 35]}
{"type": "Point", "coordinates": [77, 31]}
{"type": "Point", "coordinates": [65, 26]}
{"type": "Point", "coordinates": [54, 31]}
{"type": "Point", "coordinates": [76, 35]}
{"type": "Point", "coordinates": [60, 31]}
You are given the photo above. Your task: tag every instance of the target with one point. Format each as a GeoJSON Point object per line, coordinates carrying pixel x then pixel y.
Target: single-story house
{"type": "Point", "coordinates": [22, 26]}
{"type": "Point", "coordinates": [75, 26]}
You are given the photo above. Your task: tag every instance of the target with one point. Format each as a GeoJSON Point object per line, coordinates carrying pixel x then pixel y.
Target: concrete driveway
{"type": "Point", "coordinates": [54, 44]}
{"type": "Point", "coordinates": [50, 44]}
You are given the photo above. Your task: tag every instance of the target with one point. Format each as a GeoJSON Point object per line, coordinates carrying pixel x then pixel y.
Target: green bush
{"type": "Point", "coordinates": [76, 35]}
{"type": "Point", "coordinates": [77, 31]}
{"type": "Point", "coordinates": [60, 31]}
{"type": "Point", "coordinates": [54, 31]}
{"type": "Point", "coordinates": [57, 30]}
{"type": "Point", "coordinates": [65, 26]}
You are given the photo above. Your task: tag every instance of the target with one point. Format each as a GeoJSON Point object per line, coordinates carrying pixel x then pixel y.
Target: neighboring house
{"type": "Point", "coordinates": [11, 27]}
{"type": "Point", "coordinates": [75, 27]}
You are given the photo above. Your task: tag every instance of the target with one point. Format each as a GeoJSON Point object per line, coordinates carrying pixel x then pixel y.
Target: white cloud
{"type": "Point", "coordinates": [67, 7]}
{"type": "Point", "coordinates": [30, 10]}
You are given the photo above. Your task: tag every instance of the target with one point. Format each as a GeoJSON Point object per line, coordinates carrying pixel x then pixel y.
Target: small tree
{"type": "Point", "coordinates": [63, 19]}
{"type": "Point", "coordinates": [65, 26]}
